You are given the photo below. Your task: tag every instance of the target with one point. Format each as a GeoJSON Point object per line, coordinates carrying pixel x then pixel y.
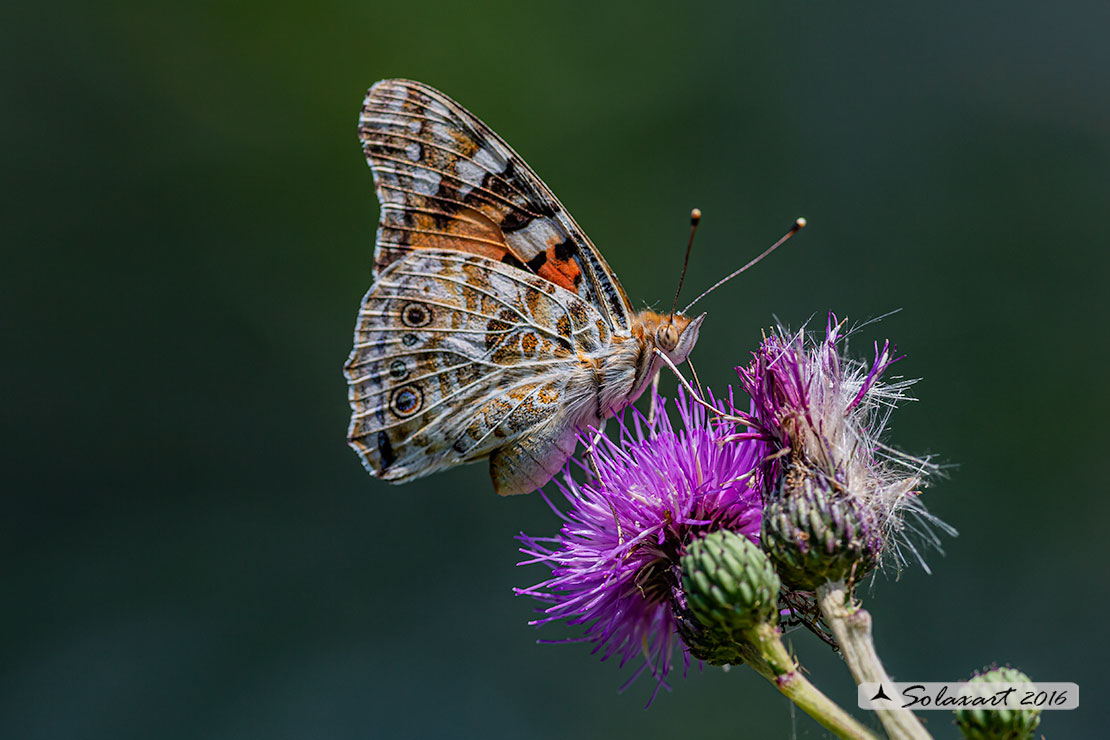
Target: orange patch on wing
{"type": "Point", "coordinates": [464, 143]}
{"type": "Point", "coordinates": [468, 231]}
{"type": "Point", "coordinates": [563, 272]}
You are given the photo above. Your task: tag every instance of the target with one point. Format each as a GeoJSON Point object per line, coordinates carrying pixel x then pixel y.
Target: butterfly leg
{"type": "Point", "coordinates": [739, 417]}
{"type": "Point", "coordinates": [588, 456]}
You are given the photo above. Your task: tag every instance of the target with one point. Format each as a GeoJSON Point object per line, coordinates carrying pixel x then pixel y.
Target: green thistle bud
{"type": "Point", "coordinates": [998, 724]}
{"type": "Point", "coordinates": [729, 587]}
{"type": "Point", "coordinates": [813, 535]}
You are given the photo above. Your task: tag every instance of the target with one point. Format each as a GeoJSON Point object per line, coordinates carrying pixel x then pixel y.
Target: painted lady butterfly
{"type": "Point", "coordinates": [494, 328]}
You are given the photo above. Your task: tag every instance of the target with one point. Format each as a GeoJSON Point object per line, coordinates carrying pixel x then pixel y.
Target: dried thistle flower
{"type": "Point", "coordinates": [838, 499]}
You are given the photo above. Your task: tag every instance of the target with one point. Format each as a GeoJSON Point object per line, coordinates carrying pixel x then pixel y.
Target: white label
{"type": "Point", "coordinates": [953, 695]}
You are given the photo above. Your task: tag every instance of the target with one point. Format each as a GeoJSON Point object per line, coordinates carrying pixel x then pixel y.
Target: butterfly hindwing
{"type": "Point", "coordinates": [445, 181]}
{"type": "Point", "coordinates": [459, 355]}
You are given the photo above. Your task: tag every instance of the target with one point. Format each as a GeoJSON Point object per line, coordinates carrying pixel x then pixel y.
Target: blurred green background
{"type": "Point", "coordinates": [190, 549]}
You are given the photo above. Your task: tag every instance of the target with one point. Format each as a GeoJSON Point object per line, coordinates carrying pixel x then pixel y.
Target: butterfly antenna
{"type": "Point", "coordinates": [798, 226]}
{"type": "Point", "coordinates": [695, 218]}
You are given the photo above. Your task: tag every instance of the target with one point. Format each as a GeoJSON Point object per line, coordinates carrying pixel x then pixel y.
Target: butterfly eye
{"type": "Point", "coordinates": [667, 337]}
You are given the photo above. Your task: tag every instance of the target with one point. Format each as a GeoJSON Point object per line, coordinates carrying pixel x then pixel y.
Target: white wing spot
{"type": "Point", "coordinates": [530, 241]}
{"type": "Point", "coordinates": [427, 183]}
{"type": "Point", "coordinates": [471, 174]}
{"type": "Point", "coordinates": [439, 109]}
{"type": "Point", "coordinates": [397, 104]}
{"type": "Point", "coordinates": [413, 150]}
{"type": "Point", "coordinates": [490, 161]}
{"type": "Point", "coordinates": [442, 134]}
{"type": "Point", "coordinates": [389, 196]}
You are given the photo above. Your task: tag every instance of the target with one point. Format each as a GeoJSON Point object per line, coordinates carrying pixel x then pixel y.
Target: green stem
{"type": "Point", "coordinates": [851, 625]}
{"type": "Point", "coordinates": [770, 658]}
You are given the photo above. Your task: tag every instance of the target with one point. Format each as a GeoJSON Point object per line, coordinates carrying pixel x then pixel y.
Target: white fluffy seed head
{"type": "Point", "coordinates": [837, 431]}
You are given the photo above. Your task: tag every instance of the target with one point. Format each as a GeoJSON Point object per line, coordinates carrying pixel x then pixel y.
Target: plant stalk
{"type": "Point", "coordinates": [851, 625]}
{"type": "Point", "coordinates": [770, 658]}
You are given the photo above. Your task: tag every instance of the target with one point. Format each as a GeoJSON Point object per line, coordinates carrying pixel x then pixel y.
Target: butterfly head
{"type": "Point", "coordinates": [674, 334]}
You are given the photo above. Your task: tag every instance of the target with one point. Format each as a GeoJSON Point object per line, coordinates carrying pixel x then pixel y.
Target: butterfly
{"type": "Point", "coordinates": [494, 329]}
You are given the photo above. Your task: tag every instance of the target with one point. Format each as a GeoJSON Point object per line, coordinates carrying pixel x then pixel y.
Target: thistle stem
{"type": "Point", "coordinates": [770, 658]}
{"type": "Point", "coordinates": [851, 625]}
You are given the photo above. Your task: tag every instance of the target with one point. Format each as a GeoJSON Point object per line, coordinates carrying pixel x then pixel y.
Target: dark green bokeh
{"type": "Point", "coordinates": [191, 550]}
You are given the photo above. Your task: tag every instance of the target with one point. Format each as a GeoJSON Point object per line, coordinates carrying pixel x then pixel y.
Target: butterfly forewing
{"type": "Point", "coordinates": [446, 181]}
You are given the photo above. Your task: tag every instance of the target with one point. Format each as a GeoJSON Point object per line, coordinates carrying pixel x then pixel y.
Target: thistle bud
{"type": "Point", "coordinates": [729, 587]}
{"type": "Point", "coordinates": [998, 724]}
{"type": "Point", "coordinates": [814, 535]}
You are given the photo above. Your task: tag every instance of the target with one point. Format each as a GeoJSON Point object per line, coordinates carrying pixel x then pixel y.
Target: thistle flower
{"type": "Point", "coordinates": [837, 497]}
{"type": "Point", "coordinates": [615, 563]}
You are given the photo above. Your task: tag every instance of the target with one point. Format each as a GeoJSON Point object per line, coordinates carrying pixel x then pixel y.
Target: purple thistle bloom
{"type": "Point", "coordinates": [614, 564]}
{"type": "Point", "coordinates": [826, 414]}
